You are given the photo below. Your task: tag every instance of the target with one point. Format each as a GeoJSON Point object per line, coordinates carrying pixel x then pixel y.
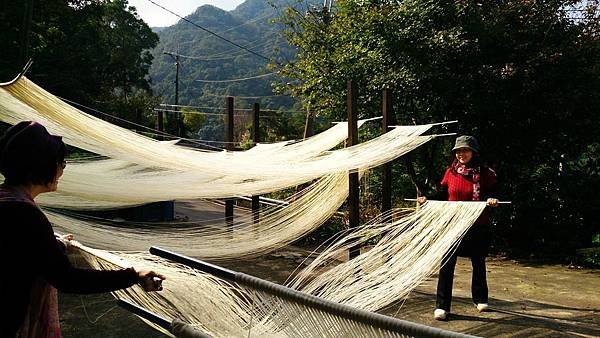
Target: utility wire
{"type": "Point", "coordinates": [210, 114]}
{"type": "Point", "coordinates": [249, 22]}
{"type": "Point", "coordinates": [227, 54]}
{"type": "Point", "coordinates": [235, 80]}
{"type": "Point", "coordinates": [233, 53]}
{"type": "Point", "coordinates": [236, 109]}
{"type": "Point", "coordinates": [116, 117]}
{"type": "Point", "coordinates": [276, 12]}
{"type": "Point", "coordinates": [150, 131]}
{"type": "Point", "coordinates": [252, 44]}
{"type": "Point", "coordinates": [210, 32]}
{"type": "Point", "coordinates": [246, 97]}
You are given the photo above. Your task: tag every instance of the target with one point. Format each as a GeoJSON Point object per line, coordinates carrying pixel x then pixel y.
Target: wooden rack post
{"type": "Point", "coordinates": [229, 146]}
{"type": "Point", "coordinates": [353, 195]}
{"type": "Point", "coordinates": [388, 115]}
{"type": "Point", "coordinates": [255, 140]}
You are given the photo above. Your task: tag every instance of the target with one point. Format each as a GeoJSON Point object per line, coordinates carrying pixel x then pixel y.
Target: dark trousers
{"type": "Point", "coordinates": [479, 289]}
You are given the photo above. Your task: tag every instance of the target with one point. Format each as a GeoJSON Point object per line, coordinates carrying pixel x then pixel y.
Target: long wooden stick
{"type": "Point", "coordinates": [499, 202]}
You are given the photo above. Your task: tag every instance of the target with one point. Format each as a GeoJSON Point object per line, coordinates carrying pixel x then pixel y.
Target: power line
{"type": "Point", "coordinates": [210, 32]}
{"type": "Point", "coordinates": [176, 56]}
{"type": "Point", "coordinates": [226, 54]}
{"type": "Point", "coordinates": [201, 58]}
{"type": "Point", "coordinates": [246, 97]}
{"type": "Point", "coordinates": [236, 109]}
{"type": "Point", "coordinates": [240, 25]}
{"type": "Point", "coordinates": [115, 117]}
{"type": "Point", "coordinates": [252, 44]}
{"type": "Point", "coordinates": [151, 131]}
{"type": "Point", "coordinates": [249, 22]}
{"type": "Point", "coordinates": [235, 80]}
{"type": "Point", "coordinates": [211, 114]}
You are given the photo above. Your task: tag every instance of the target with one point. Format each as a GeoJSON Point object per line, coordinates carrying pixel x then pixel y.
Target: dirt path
{"type": "Point", "coordinates": [526, 300]}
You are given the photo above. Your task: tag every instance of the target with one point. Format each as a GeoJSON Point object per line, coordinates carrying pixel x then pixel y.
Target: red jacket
{"type": "Point", "coordinates": [460, 188]}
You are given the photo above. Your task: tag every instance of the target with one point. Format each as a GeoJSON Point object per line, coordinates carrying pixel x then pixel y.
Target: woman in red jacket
{"type": "Point", "coordinates": [466, 179]}
{"type": "Point", "coordinates": [32, 162]}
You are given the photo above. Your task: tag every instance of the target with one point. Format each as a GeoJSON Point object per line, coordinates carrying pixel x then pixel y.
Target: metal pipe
{"type": "Point", "coordinates": [176, 327]}
{"type": "Point", "coordinates": [144, 313]}
{"type": "Point", "coordinates": [194, 263]}
{"type": "Point", "coordinates": [340, 310]}
{"type": "Point", "coordinates": [21, 73]}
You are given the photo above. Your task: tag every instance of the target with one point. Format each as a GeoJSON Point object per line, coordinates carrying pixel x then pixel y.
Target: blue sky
{"type": "Point", "coordinates": [157, 17]}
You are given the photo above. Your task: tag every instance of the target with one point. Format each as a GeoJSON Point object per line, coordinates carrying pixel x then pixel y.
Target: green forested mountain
{"type": "Point", "coordinates": [208, 58]}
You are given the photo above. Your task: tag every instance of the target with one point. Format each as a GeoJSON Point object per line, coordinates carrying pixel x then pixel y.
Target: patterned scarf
{"type": "Point", "coordinates": [472, 174]}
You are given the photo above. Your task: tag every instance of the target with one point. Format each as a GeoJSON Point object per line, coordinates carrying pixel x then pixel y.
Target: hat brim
{"type": "Point", "coordinates": [464, 147]}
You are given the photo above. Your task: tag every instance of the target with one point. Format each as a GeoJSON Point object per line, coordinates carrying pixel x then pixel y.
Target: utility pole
{"type": "Point", "coordinates": [177, 115]}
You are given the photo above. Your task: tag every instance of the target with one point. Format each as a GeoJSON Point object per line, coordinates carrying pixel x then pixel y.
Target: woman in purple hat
{"type": "Point", "coordinates": [32, 162]}
{"type": "Point", "coordinates": [467, 179]}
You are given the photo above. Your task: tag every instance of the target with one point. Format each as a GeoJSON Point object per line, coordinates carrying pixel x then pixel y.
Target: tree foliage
{"type": "Point", "coordinates": [95, 53]}
{"type": "Point", "coordinates": [522, 76]}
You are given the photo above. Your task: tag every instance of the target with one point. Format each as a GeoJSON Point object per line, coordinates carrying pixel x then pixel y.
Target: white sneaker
{"type": "Point", "coordinates": [440, 314]}
{"type": "Point", "coordinates": [482, 307]}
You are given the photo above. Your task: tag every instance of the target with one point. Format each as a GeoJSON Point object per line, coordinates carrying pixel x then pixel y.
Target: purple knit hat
{"type": "Point", "coordinates": [29, 147]}
{"type": "Point", "coordinates": [35, 132]}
